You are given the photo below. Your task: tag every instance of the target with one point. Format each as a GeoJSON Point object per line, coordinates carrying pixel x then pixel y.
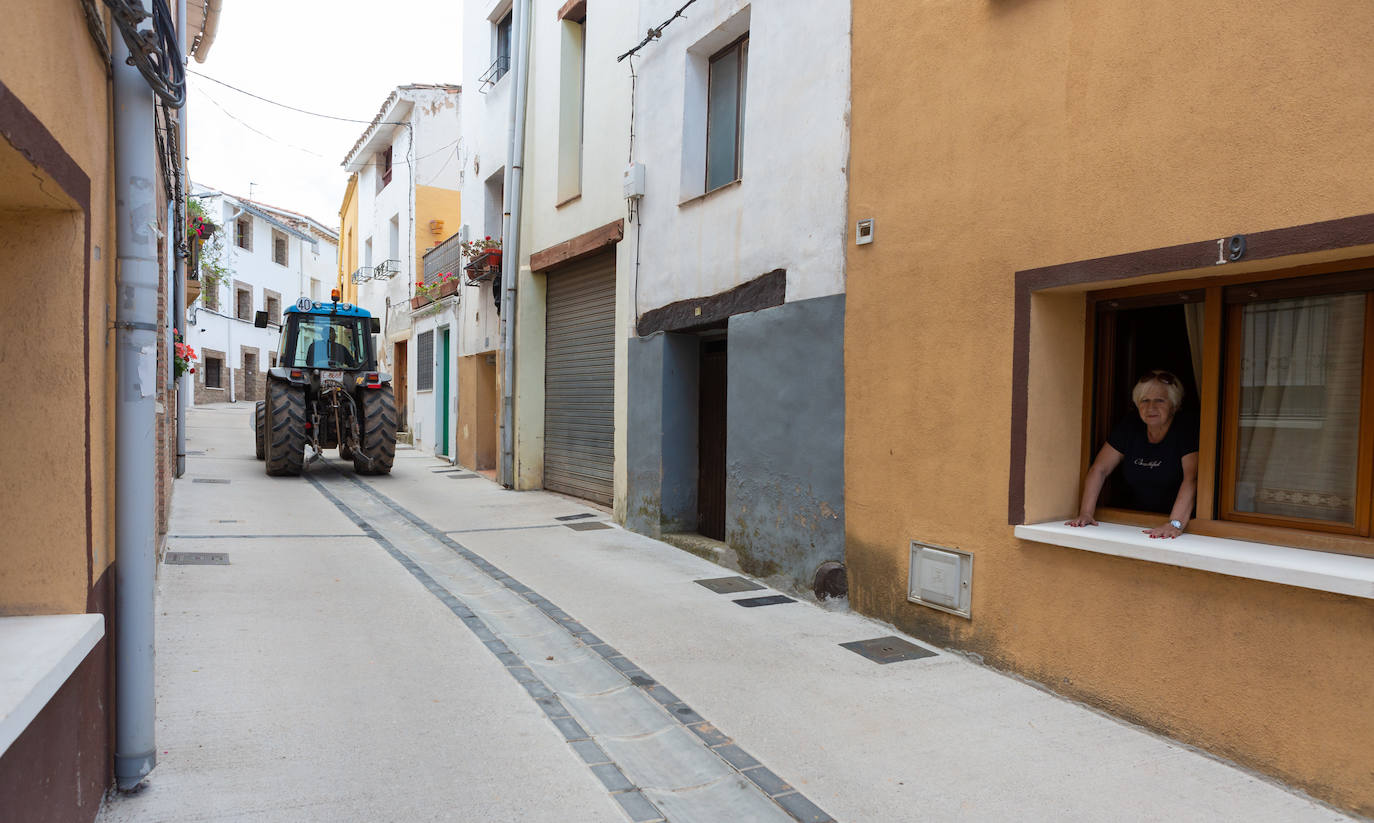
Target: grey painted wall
{"type": "Point", "coordinates": [784, 497]}
{"type": "Point", "coordinates": [661, 441]}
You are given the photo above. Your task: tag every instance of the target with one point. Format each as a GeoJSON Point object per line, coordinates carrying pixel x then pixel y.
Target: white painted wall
{"type": "Point", "coordinates": [550, 217]}
{"type": "Point", "coordinates": [255, 268]}
{"type": "Point", "coordinates": [789, 209]}
{"type": "Point", "coordinates": [424, 413]}
{"type": "Point", "coordinates": [434, 116]}
{"type": "Point", "coordinates": [486, 133]}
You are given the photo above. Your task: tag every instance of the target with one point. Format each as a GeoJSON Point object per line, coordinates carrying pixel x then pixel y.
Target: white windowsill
{"type": "Point", "coordinates": [37, 655]}
{"type": "Point", "coordinates": [1324, 571]}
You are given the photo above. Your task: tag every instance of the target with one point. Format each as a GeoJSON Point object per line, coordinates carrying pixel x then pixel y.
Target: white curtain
{"type": "Point", "coordinates": [1301, 367]}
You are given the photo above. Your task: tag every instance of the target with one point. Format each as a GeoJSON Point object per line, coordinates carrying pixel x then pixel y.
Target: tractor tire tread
{"type": "Point", "coordinates": [285, 430]}
{"type": "Point", "coordinates": [377, 431]}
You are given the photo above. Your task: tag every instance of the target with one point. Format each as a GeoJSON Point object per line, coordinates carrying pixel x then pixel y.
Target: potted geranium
{"type": "Point", "coordinates": [483, 256]}
{"type": "Point", "coordinates": [184, 357]}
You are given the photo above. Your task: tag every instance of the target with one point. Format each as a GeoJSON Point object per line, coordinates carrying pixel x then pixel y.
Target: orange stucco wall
{"type": "Point", "coordinates": [348, 241]}
{"type": "Point", "coordinates": [1004, 135]}
{"type": "Point", "coordinates": [432, 203]}
{"type": "Point", "coordinates": [43, 500]}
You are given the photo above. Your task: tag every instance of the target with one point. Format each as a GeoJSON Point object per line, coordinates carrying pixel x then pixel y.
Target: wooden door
{"type": "Point", "coordinates": [711, 440]}
{"type": "Point", "coordinates": [399, 384]}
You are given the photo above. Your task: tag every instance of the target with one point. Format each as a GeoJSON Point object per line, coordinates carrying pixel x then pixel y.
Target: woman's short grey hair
{"type": "Point", "coordinates": [1172, 386]}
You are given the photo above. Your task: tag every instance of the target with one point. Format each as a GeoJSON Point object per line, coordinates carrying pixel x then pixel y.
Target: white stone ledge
{"type": "Point", "coordinates": [1324, 571]}
{"type": "Point", "coordinates": [37, 655]}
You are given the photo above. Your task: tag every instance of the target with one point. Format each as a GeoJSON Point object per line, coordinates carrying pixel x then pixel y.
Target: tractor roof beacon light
{"type": "Point", "coordinates": [334, 295]}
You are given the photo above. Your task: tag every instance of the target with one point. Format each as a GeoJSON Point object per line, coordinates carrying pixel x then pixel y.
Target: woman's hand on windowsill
{"type": "Point", "coordinates": [1165, 531]}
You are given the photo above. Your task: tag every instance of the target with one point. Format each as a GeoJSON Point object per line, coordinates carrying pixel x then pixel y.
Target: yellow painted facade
{"type": "Point", "coordinates": [60, 415]}
{"type": "Point", "coordinates": [992, 138]}
{"type": "Point", "coordinates": [438, 213]}
{"type": "Point", "coordinates": [348, 241]}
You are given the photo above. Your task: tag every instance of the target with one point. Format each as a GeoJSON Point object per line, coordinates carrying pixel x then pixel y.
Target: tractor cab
{"type": "Point", "coordinates": [329, 336]}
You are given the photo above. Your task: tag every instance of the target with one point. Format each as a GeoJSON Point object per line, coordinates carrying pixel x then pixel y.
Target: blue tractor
{"type": "Point", "coordinates": [326, 392]}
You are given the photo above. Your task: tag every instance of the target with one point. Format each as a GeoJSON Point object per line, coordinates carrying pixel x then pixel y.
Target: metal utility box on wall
{"type": "Point", "coordinates": [941, 578]}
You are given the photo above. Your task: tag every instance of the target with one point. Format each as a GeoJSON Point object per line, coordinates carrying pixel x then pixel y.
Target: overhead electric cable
{"type": "Point", "coordinates": [291, 108]}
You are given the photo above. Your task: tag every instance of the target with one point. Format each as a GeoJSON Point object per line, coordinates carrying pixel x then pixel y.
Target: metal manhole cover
{"type": "Point", "coordinates": [586, 527]}
{"type": "Point", "coordinates": [729, 585]}
{"type": "Point", "coordinates": [208, 480]}
{"type": "Point", "coordinates": [888, 649]}
{"type": "Point", "coordinates": [770, 600]}
{"type": "Point", "coordinates": [567, 517]}
{"type": "Point", "coordinates": [196, 558]}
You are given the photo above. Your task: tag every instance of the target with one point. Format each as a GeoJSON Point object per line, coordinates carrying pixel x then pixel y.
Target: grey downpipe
{"type": "Point", "coordinates": [510, 256]}
{"type": "Point", "coordinates": [179, 283]}
{"type": "Point", "coordinates": [136, 384]}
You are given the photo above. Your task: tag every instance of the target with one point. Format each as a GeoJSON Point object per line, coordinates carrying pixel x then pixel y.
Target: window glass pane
{"type": "Point", "coordinates": [1301, 362]}
{"type": "Point", "coordinates": [328, 343]}
{"type": "Point", "coordinates": [722, 119]}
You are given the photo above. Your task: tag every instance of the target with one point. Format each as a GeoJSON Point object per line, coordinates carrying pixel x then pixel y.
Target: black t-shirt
{"type": "Point", "coordinates": [1153, 471]}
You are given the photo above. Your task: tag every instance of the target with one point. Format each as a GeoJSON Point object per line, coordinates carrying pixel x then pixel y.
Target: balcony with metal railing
{"type": "Point", "coordinates": [384, 270]}
{"type": "Point", "coordinates": [494, 72]}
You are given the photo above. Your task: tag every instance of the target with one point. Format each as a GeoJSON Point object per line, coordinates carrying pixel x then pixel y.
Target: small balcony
{"type": "Point", "coordinates": [494, 72]}
{"type": "Point", "coordinates": [386, 269]}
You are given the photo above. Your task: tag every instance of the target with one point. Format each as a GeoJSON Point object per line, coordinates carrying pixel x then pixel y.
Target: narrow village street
{"type": "Point", "coordinates": [430, 646]}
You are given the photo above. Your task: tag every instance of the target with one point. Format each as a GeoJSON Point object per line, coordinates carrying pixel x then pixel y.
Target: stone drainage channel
{"type": "Point", "coordinates": [657, 757]}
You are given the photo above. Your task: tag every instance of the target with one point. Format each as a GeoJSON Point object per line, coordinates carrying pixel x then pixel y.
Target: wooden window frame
{"type": "Point", "coordinates": [1219, 401]}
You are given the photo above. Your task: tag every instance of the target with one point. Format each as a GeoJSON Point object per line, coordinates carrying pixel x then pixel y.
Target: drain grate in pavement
{"type": "Point", "coordinates": [567, 517]}
{"type": "Point", "coordinates": [208, 480]}
{"type": "Point", "coordinates": [442, 471]}
{"type": "Point", "coordinates": [196, 558]}
{"type": "Point", "coordinates": [226, 521]}
{"type": "Point", "coordinates": [770, 600]}
{"type": "Point", "coordinates": [586, 527]}
{"type": "Point", "coordinates": [461, 476]}
{"type": "Point", "coordinates": [888, 649]}
{"type": "Point", "coordinates": [195, 452]}
{"type": "Point", "coordinates": [729, 585]}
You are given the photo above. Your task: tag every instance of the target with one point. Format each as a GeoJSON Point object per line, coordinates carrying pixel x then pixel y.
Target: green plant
{"type": "Point", "coordinates": [429, 290]}
{"type": "Point", "coordinates": [476, 248]}
{"type": "Point", "coordinates": [208, 239]}
{"type": "Point", "coordinates": [185, 356]}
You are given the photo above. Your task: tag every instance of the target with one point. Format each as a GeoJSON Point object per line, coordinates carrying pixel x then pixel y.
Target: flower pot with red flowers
{"type": "Point", "coordinates": [484, 258]}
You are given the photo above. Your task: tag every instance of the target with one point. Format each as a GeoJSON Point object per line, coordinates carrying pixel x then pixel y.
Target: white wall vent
{"type": "Point", "coordinates": [941, 578]}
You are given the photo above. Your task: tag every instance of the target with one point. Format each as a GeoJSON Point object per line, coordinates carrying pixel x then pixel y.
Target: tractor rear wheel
{"type": "Point", "coordinates": [377, 431]}
{"type": "Point", "coordinates": [285, 429]}
{"type": "Point", "coordinates": [260, 428]}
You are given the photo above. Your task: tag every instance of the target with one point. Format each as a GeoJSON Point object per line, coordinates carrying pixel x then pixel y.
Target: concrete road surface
{"type": "Point", "coordinates": [427, 646]}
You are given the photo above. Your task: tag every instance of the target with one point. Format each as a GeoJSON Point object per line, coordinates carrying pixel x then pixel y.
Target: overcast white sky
{"type": "Point", "coordinates": [339, 57]}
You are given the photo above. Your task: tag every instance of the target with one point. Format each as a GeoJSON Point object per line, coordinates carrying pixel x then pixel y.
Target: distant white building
{"type": "Point", "coordinates": [270, 257]}
{"type": "Point", "coordinates": [403, 201]}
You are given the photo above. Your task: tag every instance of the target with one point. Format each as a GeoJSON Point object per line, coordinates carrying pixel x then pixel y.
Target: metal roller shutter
{"type": "Point", "coordinates": [579, 379]}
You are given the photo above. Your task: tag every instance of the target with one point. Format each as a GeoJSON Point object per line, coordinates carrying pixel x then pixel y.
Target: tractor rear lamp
{"type": "Point", "coordinates": [374, 380]}
{"type": "Point", "coordinates": [297, 374]}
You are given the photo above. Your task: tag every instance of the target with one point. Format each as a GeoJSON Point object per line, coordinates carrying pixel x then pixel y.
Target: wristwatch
{"type": "Point", "coordinates": [1178, 524]}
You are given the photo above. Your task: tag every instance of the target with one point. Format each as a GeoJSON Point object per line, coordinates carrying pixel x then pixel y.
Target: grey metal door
{"type": "Point", "coordinates": [579, 379]}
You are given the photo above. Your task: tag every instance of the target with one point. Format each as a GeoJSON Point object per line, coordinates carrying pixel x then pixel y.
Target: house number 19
{"type": "Point", "coordinates": [1230, 249]}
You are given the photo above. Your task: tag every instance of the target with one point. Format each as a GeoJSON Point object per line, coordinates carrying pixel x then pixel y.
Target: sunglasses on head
{"type": "Point", "coordinates": [1157, 376]}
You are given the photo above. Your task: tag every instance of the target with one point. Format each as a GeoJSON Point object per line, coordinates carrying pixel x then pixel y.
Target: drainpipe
{"type": "Point", "coordinates": [136, 384]}
{"type": "Point", "coordinates": [510, 256]}
{"type": "Point", "coordinates": [230, 319]}
{"type": "Point", "coordinates": [179, 281]}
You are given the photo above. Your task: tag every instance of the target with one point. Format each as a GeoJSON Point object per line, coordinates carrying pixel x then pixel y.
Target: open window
{"type": "Point", "coordinates": [1278, 373]}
